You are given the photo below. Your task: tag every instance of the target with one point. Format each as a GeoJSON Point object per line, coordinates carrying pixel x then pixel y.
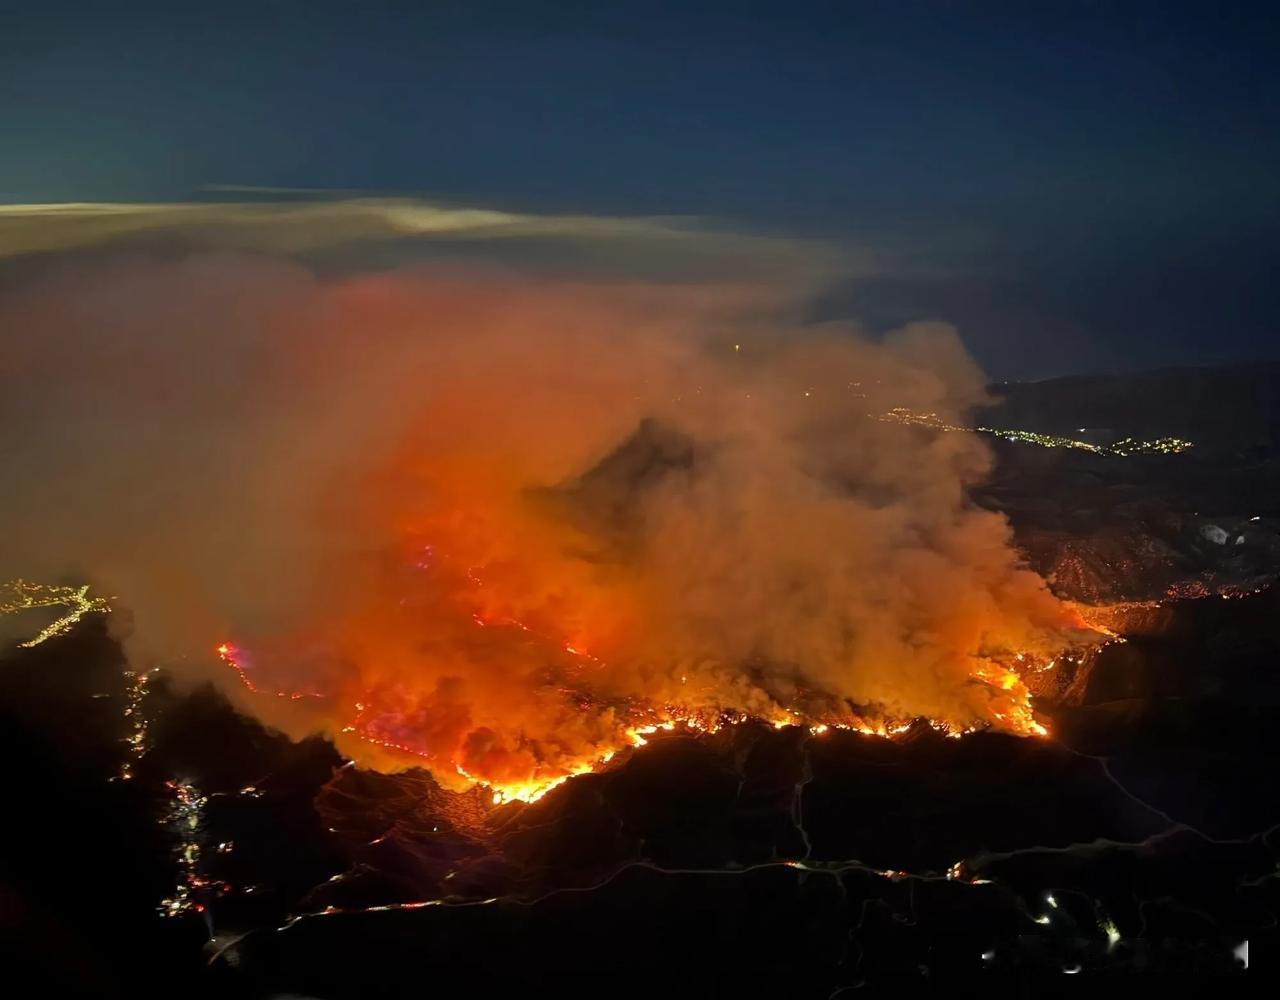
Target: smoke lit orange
{"type": "Point", "coordinates": [605, 516]}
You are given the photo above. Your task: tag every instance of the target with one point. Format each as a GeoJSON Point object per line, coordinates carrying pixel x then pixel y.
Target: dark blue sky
{"type": "Point", "coordinates": [1078, 186]}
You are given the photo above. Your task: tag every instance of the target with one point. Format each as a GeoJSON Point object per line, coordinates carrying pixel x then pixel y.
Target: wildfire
{"type": "Point", "coordinates": [474, 667]}
{"type": "Point", "coordinates": [630, 725]}
{"type": "Point", "coordinates": [235, 659]}
{"type": "Point", "coordinates": [638, 723]}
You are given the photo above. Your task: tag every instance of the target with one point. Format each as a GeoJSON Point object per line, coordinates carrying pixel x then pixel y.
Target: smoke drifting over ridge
{"type": "Point", "coordinates": [489, 523]}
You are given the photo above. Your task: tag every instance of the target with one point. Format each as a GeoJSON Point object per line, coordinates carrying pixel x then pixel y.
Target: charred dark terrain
{"type": "Point", "coordinates": [1143, 836]}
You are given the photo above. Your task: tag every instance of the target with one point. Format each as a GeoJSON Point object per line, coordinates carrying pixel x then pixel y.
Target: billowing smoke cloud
{"type": "Point", "coordinates": [488, 523]}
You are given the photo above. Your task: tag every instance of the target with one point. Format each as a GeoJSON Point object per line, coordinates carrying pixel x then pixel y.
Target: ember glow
{"type": "Point", "coordinates": [615, 535]}
{"type": "Point", "coordinates": [572, 697]}
{"type": "Point", "coordinates": [505, 529]}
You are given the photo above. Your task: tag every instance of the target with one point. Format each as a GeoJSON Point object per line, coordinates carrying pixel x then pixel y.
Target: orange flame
{"type": "Point", "coordinates": [618, 512]}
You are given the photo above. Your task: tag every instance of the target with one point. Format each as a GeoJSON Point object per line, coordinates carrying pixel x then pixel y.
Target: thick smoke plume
{"type": "Point", "coordinates": [487, 523]}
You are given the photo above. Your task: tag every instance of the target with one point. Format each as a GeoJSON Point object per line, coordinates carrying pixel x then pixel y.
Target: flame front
{"type": "Point", "coordinates": [499, 528]}
{"type": "Point", "coordinates": [562, 709]}
{"type": "Point", "coordinates": [396, 745]}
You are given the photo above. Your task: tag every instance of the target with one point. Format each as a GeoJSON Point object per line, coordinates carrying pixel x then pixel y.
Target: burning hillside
{"type": "Point", "coordinates": [449, 539]}
{"type": "Point", "coordinates": [499, 528]}
{"type": "Point", "coordinates": [764, 550]}
{"type": "Point", "coordinates": [1123, 842]}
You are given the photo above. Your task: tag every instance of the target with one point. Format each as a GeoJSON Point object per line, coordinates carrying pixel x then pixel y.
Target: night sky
{"type": "Point", "coordinates": [1079, 187]}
